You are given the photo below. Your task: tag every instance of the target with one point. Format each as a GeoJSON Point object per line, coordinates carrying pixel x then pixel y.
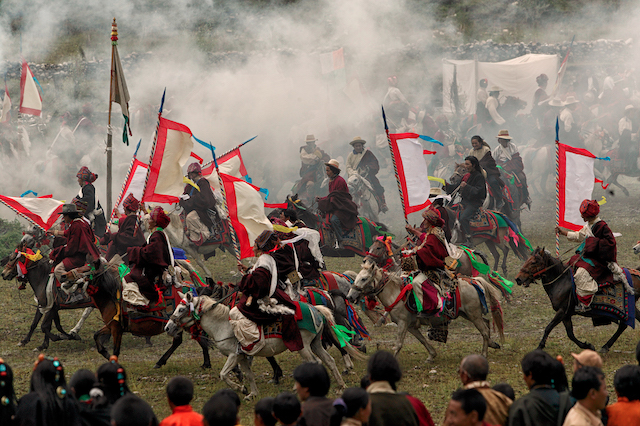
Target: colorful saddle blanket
{"type": "Point", "coordinates": [615, 302]}
{"type": "Point", "coordinates": [160, 311]}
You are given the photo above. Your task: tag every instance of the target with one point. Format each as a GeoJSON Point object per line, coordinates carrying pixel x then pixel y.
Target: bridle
{"type": "Point", "coordinates": [196, 316]}
{"type": "Point", "coordinates": [379, 287]}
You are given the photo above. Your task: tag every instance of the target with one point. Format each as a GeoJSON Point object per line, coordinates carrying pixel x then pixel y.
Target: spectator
{"type": "Point", "coordinates": [229, 393]}
{"type": "Point", "coordinates": [179, 395]}
{"type": "Point", "coordinates": [424, 417]}
{"type": "Point", "coordinates": [467, 407]}
{"type": "Point", "coordinates": [353, 409]}
{"type": "Point", "coordinates": [473, 373]}
{"type": "Point", "coordinates": [543, 404]}
{"type": "Point", "coordinates": [312, 386]}
{"type": "Point", "coordinates": [109, 376]}
{"type": "Point", "coordinates": [132, 411]}
{"type": "Point", "coordinates": [286, 409]}
{"type": "Point", "coordinates": [263, 413]}
{"type": "Point", "coordinates": [590, 391]}
{"type": "Point", "coordinates": [627, 410]}
{"type": "Point", "coordinates": [81, 384]}
{"type": "Point", "coordinates": [387, 407]}
{"type": "Point", "coordinates": [506, 389]}
{"type": "Point", "coordinates": [219, 410]}
{"type": "Point", "coordinates": [49, 401]}
{"type": "Point", "coordinates": [586, 358]}
{"type": "Point", "coordinates": [7, 394]}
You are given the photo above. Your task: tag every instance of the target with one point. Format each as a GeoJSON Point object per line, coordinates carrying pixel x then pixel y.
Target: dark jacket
{"type": "Point", "coordinates": [129, 235]}
{"type": "Point", "coordinates": [339, 202]}
{"type": "Point", "coordinates": [200, 201]}
{"type": "Point", "coordinates": [540, 407]}
{"type": "Point", "coordinates": [99, 224]}
{"type": "Point", "coordinates": [475, 192]}
{"type": "Point", "coordinates": [316, 411]}
{"type": "Point", "coordinates": [148, 263]}
{"type": "Point", "coordinates": [596, 252]}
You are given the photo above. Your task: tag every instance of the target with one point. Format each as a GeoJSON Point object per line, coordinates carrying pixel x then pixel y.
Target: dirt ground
{"type": "Point", "coordinates": [526, 316]}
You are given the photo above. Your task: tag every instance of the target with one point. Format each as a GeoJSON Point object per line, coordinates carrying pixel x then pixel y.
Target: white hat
{"type": "Point", "coordinates": [629, 107]}
{"type": "Point", "coordinates": [495, 89]}
{"type": "Point", "coordinates": [333, 163]}
{"type": "Point", "coordinates": [310, 138]}
{"type": "Point", "coordinates": [571, 100]}
{"type": "Point", "coordinates": [556, 102]}
{"type": "Point", "coordinates": [504, 134]}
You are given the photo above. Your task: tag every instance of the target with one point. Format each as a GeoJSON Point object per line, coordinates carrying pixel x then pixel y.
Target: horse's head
{"type": "Point", "coordinates": [10, 262]}
{"type": "Point", "coordinates": [381, 251]}
{"type": "Point", "coordinates": [533, 267]}
{"type": "Point", "coordinates": [458, 173]}
{"type": "Point", "coordinates": [365, 282]}
{"type": "Point", "coordinates": [182, 314]}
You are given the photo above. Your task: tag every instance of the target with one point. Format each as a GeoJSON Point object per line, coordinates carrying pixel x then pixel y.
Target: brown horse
{"type": "Point", "coordinates": [557, 280]}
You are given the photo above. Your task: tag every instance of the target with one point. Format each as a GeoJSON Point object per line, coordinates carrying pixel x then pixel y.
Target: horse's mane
{"type": "Point", "coordinates": [219, 311]}
{"type": "Point", "coordinates": [109, 281]}
{"type": "Point", "coordinates": [550, 260]}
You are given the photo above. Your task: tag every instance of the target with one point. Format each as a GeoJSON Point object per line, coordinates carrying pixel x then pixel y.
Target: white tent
{"type": "Point", "coordinates": [515, 77]}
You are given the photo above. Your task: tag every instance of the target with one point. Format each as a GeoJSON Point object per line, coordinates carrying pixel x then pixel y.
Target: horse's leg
{"type": "Point", "coordinates": [418, 335]}
{"type": "Point", "coordinates": [206, 363]}
{"type": "Point", "coordinates": [554, 322]}
{"type": "Point", "coordinates": [318, 349]}
{"type": "Point", "coordinates": [277, 371]}
{"type": "Point", "coordinates": [494, 252]}
{"type": "Point", "coordinates": [56, 322]}
{"type": "Point", "coordinates": [400, 336]}
{"type": "Point", "coordinates": [568, 325]}
{"type": "Point", "coordinates": [101, 337]}
{"type": "Point", "coordinates": [36, 319]}
{"type": "Point", "coordinates": [483, 327]}
{"type": "Point", "coordinates": [245, 367]}
{"type": "Point", "coordinates": [505, 253]}
{"type": "Point", "coordinates": [74, 331]}
{"type": "Point", "coordinates": [177, 341]}
{"type": "Point", "coordinates": [116, 333]}
{"type": "Point", "coordinates": [225, 373]}
{"type": "Point", "coordinates": [622, 326]}
{"type": "Point", "coordinates": [47, 322]}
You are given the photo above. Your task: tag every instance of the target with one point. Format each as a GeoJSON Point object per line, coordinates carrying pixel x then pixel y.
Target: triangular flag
{"type": "Point", "coordinates": [6, 106]}
{"type": "Point", "coordinates": [120, 93]}
{"type": "Point", "coordinates": [30, 99]}
{"type": "Point", "coordinates": [41, 211]}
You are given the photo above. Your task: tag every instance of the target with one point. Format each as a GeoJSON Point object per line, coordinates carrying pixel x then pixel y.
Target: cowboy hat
{"type": "Point", "coordinates": [495, 89]}
{"type": "Point", "coordinates": [333, 163]}
{"type": "Point", "coordinates": [70, 209]}
{"type": "Point", "coordinates": [556, 102]}
{"type": "Point", "coordinates": [629, 107]}
{"type": "Point", "coordinates": [571, 100]}
{"type": "Point", "coordinates": [310, 139]}
{"type": "Point", "coordinates": [356, 140]}
{"type": "Point", "coordinates": [504, 134]}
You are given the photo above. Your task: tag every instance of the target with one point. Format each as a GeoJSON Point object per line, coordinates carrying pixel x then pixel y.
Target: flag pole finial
{"type": "Point", "coordinates": [114, 33]}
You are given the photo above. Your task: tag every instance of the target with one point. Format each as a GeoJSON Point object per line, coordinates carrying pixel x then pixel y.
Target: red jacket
{"type": "Point", "coordinates": [183, 415]}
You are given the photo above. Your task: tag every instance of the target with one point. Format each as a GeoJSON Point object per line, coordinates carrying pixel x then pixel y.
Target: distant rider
{"type": "Point", "coordinates": [197, 201]}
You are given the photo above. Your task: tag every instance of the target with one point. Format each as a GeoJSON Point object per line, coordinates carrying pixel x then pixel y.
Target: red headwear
{"type": "Point", "coordinates": [131, 203]}
{"type": "Point", "coordinates": [160, 217]}
{"type": "Point", "coordinates": [433, 217]}
{"type": "Point", "coordinates": [589, 208]}
{"type": "Point", "coordinates": [85, 174]}
{"type": "Point", "coordinates": [194, 168]}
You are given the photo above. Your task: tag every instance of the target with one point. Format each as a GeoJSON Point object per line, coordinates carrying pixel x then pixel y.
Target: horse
{"type": "Point", "coordinates": [364, 196]}
{"type": "Point", "coordinates": [213, 317]}
{"type": "Point", "coordinates": [557, 281]}
{"type": "Point", "coordinates": [540, 161]}
{"type": "Point", "coordinates": [37, 275]}
{"type": "Point", "coordinates": [373, 280]}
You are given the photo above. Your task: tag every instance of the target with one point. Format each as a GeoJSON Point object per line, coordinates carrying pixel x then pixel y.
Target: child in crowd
{"type": "Point", "coordinates": [286, 409]}
{"type": "Point", "coordinates": [179, 395]}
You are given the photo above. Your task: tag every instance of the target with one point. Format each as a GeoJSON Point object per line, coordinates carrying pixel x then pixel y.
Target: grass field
{"type": "Point", "coordinates": [526, 316]}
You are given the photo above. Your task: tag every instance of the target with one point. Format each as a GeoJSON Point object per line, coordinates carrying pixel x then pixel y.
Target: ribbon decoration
{"type": "Point", "coordinates": [190, 182]}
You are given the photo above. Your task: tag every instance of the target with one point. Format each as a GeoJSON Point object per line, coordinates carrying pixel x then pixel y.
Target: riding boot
{"type": "Point", "coordinates": [582, 308]}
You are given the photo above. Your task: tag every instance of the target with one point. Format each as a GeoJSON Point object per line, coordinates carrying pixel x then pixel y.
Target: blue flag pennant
{"type": "Point", "coordinates": [430, 139]}
{"type": "Point", "coordinates": [203, 143]}
{"type": "Point", "coordinates": [35, 194]}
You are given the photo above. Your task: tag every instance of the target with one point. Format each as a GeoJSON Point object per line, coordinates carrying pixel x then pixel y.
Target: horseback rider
{"type": "Point", "coordinates": [365, 163]}
{"type": "Point", "coordinates": [473, 190]}
{"type": "Point", "coordinates": [481, 98]}
{"type": "Point", "coordinates": [94, 212]}
{"type": "Point", "coordinates": [305, 262]}
{"type": "Point", "coordinates": [537, 110]}
{"type": "Point", "coordinates": [129, 233]}
{"type": "Point", "coordinates": [290, 218]}
{"type": "Point", "coordinates": [312, 158]}
{"type": "Point", "coordinates": [263, 301]}
{"type": "Point", "coordinates": [482, 151]}
{"type": "Point", "coordinates": [437, 197]}
{"type": "Point", "coordinates": [493, 104]}
{"type": "Point", "coordinates": [595, 260]}
{"type": "Point", "coordinates": [395, 103]}
{"type": "Point", "coordinates": [197, 201]}
{"type": "Point", "coordinates": [80, 240]}
{"type": "Point", "coordinates": [149, 262]}
{"type": "Point", "coordinates": [507, 156]}
{"type": "Point", "coordinates": [338, 205]}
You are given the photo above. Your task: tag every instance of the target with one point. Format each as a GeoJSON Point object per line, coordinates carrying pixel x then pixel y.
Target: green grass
{"type": "Point", "coordinates": [526, 316]}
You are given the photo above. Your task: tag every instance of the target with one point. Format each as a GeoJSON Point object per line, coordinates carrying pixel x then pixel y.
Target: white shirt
{"type": "Point", "coordinates": [492, 105]}
{"type": "Point", "coordinates": [501, 154]}
{"type": "Point", "coordinates": [625, 124]}
{"type": "Point", "coordinates": [567, 119]}
{"type": "Point", "coordinates": [482, 96]}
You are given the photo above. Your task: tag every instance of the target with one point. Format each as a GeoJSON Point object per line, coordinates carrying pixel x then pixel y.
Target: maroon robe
{"type": "Point", "coordinates": [308, 266]}
{"type": "Point", "coordinates": [80, 243]}
{"type": "Point", "coordinates": [597, 252]}
{"type": "Point", "coordinates": [147, 264]}
{"type": "Point", "coordinates": [257, 284]}
{"type": "Point", "coordinates": [285, 261]}
{"type": "Point", "coordinates": [339, 202]}
{"type": "Point", "coordinates": [129, 235]}
{"type": "Point", "coordinates": [200, 201]}
{"type": "Point", "coordinates": [431, 256]}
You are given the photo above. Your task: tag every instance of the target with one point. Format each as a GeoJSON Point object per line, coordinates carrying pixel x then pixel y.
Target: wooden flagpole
{"type": "Point", "coordinates": [557, 188]}
{"type": "Point", "coordinates": [395, 167]}
{"type": "Point", "coordinates": [114, 43]}
{"type": "Point", "coordinates": [153, 145]}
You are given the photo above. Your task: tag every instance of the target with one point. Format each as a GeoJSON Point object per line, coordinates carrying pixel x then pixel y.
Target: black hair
{"type": "Point", "coordinates": [82, 382]}
{"type": "Point", "coordinates": [365, 381]}
{"type": "Point", "coordinates": [264, 409]}
{"type": "Point", "coordinates": [180, 391]}
{"type": "Point", "coordinates": [220, 410]}
{"type": "Point", "coordinates": [131, 410]}
{"type": "Point", "coordinates": [559, 376]}
{"type": "Point", "coordinates": [286, 408]}
{"type": "Point", "coordinates": [585, 379]}
{"type": "Point", "coordinates": [335, 170]}
{"type": "Point", "coordinates": [383, 366]}
{"type": "Point", "coordinates": [540, 365]}
{"type": "Point", "coordinates": [474, 162]}
{"type": "Point", "coordinates": [313, 376]}
{"type": "Point", "coordinates": [476, 367]}
{"type": "Point", "coordinates": [638, 353]}
{"type": "Point", "coordinates": [505, 389]}
{"type": "Point", "coordinates": [7, 394]}
{"type": "Point", "coordinates": [291, 214]}
{"type": "Point", "coordinates": [479, 138]}
{"type": "Point", "coordinates": [352, 400]}
{"type": "Point", "coordinates": [627, 382]}
{"type": "Point", "coordinates": [108, 381]}
{"type": "Point", "coordinates": [231, 395]}
{"type": "Point", "coordinates": [471, 400]}
{"type": "Point", "coordinates": [49, 383]}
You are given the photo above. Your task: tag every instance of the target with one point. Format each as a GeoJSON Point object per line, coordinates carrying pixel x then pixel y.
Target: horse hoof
{"type": "Point", "coordinates": [39, 349]}
{"type": "Point", "coordinates": [21, 344]}
{"type": "Point", "coordinates": [494, 345]}
{"type": "Point", "coordinates": [589, 346]}
{"type": "Point", "coordinates": [65, 337]}
{"type": "Point", "coordinates": [250, 397]}
{"type": "Point", "coordinates": [74, 336]}
{"type": "Point", "coordinates": [205, 366]}
{"type": "Point", "coordinates": [604, 350]}
{"type": "Point", "coordinates": [55, 338]}
{"type": "Point", "coordinates": [245, 391]}
{"type": "Point", "coordinates": [157, 366]}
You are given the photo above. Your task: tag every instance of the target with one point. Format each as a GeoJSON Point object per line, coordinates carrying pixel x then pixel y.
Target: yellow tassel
{"type": "Point", "coordinates": [437, 179]}
{"type": "Point", "coordinates": [603, 201]}
{"type": "Point", "coordinates": [32, 257]}
{"type": "Point", "coordinates": [190, 182]}
{"type": "Point", "coordinates": [280, 228]}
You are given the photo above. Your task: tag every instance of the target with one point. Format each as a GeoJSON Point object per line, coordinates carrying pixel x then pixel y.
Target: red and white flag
{"type": "Point", "coordinates": [170, 153]}
{"type": "Point", "coordinates": [412, 170]}
{"type": "Point", "coordinates": [230, 163]}
{"type": "Point", "coordinates": [134, 184]}
{"type": "Point", "coordinates": [40, 211]}
{"type": "Point", "coordinates": [575, 184]}
{"type": "Point", "coordinates": [30, 99]}
{"type": "Point", "coordinates": [6, 105]}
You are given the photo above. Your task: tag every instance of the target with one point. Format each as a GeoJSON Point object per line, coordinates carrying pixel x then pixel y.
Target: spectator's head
{"type": "Point", "coordinates": [505, 389]}
{"type": "Point", "coordinates": [472, 164]}
{"type": "Point", "coordinates": [113, 381]}
{"type": "Point", "coordinates": [589, 387]}
{"type": "Point", "coordinates": [473, 368]}
{"type": "Point", "coordinates": [231, 395]}
{"type": "Point", "coordinates": [483, 83]}
{"type": "Point", "coordinates": [7, 394]}
{"type": "Point", "coordinates": [538, 368]}
{"type": "Point", "coordinates": [627, 382]}
{"type": "Point", "coordinates": [354, 403]}
{"type": "Point", "coordinates": [466, 408]}
{"type": "Point", "coordinates": [179, 391]}
{"type": "Point", "coordinates": [559, 379]}
{"type": "Point", "coordinates": [263, 413]}
{"type": "Point", "coordinates": [311, 379]}
{"type": "Point", "coordinates": [586, 358]}
{"type": "Point", "coordinates": [219, 410]}
{"type": "Point", "coordinates": [132, 411]}
{"type": "Point", "coordinates": [384, 367]}
{"type": "Point", "coordinates": [48, 381]}
{"type": "Point", "coordinates": [81, 384]}
{"type": "Point", "coordinates": [286, 408]}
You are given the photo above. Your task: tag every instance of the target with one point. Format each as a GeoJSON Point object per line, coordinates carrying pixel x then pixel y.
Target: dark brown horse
{"type": "Point", "coordinates": [557, 280]}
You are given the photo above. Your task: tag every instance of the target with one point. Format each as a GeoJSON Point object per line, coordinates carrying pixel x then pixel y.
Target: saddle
{"type": "Point", "coordinates": [612, 302]}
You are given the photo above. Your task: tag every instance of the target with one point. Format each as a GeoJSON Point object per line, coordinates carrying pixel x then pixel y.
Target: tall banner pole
{"type": "Point", "coordinates": [557, 188]}
{"type": "Point", "coordinates": [114, 212]}
{"type": "Point", "coordinates": [114, 43]}
{"type": "Point", "coordinates": [234, 237]}
{"type": "Point", "coordinates": [153, 145]}
{"type": "Point", "coordinates": [395, 167]}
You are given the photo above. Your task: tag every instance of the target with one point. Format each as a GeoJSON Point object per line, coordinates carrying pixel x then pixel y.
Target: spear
{"type": "Point", "coordinates": [228, 152]}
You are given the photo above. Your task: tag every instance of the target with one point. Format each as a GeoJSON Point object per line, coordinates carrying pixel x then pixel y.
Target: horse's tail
{"type": "Point", "coordinates": [493, 297]}
{"type": "Point", "coordinates": [481, 256]}
{"type": "Point", "coordinates": [333, 336]}
{"type": "Point", "coordinates": [518, 242]}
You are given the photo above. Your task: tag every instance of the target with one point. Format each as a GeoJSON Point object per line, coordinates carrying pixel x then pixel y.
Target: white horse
{"type": "Point", "coordinates": [214, 320]}
{"type": "Point", "coordinates": [373, 280]}
{"type": "Point", "coordinates": [539, 163]}
{"type": "Point", "coordinates": [364, 196]}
